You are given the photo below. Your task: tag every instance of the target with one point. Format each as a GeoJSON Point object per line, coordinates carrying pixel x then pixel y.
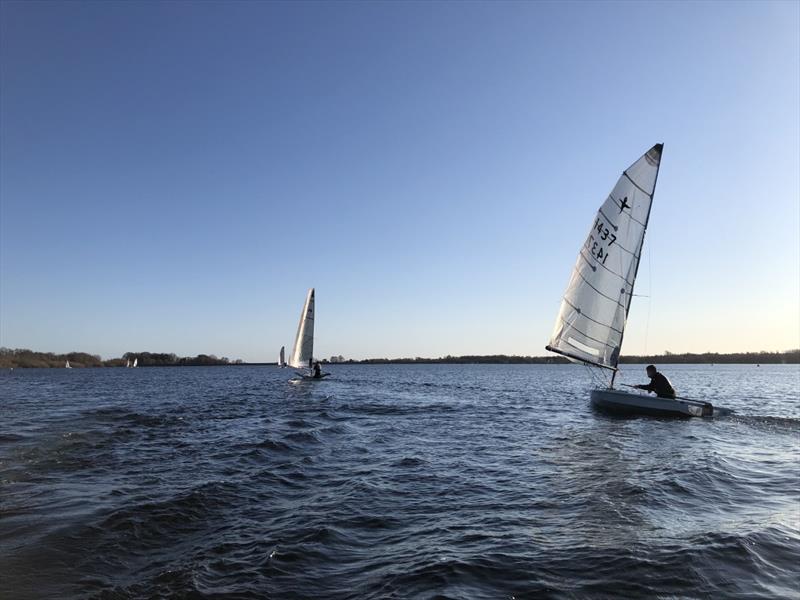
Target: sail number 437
{"type": "Point", "coordinates": [600, 240]}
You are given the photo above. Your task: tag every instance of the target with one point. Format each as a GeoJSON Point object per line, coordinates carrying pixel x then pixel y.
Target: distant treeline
{"type": "Point", "coordinates": [788, 357]}
{"type": "Point", "coordinates": [764, 358]}
{"type": "Point", "coordinates": [501, 359]}
{"type": "Point", "coordinates": [22, 358]}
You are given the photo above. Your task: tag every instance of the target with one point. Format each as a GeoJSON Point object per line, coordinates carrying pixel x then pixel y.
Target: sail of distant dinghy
{"type": "Point", "coordinates": [135, 362]}
{"type": "Point", "coordinates": [594, 309]}
{"type": "Point", "coordinates": [304, 341]}
{"type": "Point", "coordinates": [282, 357]}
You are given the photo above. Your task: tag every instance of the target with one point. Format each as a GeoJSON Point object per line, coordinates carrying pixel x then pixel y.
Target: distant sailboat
{"type": "Point", "coordinates": [135, 363]}
{"type": "Point", "coordinates": [595, 307]}
{"type": "Point", "coordinates": [66, 366]}
{"type": "Point", "coordinates": [128, 364]}
{"type": "Point", "coordinates": [303, 352]}
{"type": "Point", "coordinates": [282, 358]}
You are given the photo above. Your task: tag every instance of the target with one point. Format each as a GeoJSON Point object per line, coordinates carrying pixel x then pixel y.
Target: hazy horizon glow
{"type": "Point", "coordinates": [175, 176]}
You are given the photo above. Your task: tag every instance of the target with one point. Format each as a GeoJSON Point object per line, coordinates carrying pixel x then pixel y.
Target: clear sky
{"type": "Point", "coordinates": [174, 176]}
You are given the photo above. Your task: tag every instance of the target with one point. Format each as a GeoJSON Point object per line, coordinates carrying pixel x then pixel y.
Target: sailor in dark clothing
{"type": "Point", "coordinates": [317, 372]}
{"type": "Point", "coordinates": [658, 384]}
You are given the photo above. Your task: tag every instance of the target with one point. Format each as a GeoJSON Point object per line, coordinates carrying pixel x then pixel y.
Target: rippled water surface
{"type": "Point", "coordinates": [435, 481]}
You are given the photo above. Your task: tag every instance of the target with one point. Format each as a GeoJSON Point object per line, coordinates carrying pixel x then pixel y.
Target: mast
{"type": "Point", "coordinates": [639, 260]}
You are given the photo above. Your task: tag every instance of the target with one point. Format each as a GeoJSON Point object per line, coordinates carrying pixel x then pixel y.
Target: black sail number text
{"type": "Point", "coordinates": [600, 241]}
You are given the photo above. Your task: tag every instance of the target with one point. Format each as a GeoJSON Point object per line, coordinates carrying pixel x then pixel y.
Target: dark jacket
{"type": "Point", "coordinates": [661, 386]}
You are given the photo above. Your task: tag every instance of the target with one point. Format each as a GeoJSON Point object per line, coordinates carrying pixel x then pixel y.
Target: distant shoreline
{"type": "Point", "coordinates": [788, 357]}
{"type": "Point", "coordinates": [20, 358]}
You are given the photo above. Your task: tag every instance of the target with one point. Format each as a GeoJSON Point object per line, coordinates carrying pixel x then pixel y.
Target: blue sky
{"type": "Point", "coordinates": [175, 176]}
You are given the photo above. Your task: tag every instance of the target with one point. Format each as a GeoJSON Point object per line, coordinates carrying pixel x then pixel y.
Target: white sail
{"type": "Point", "coordinates": [282, 357]}
{"type": "Point", "coordinates": [591, 322]}
{"type": "Point", "coordinates": [66, 366]}
{"type": "Point", "coordinates": [128, 364]}
{"type": "Point", "coordinates": [135, 362]}
{"type": "Point", "coordinates": [304, 341]}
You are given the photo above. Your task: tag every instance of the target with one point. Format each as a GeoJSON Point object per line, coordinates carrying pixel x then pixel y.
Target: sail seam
{"type": "Point", "coordinates": [598, 291]}
{"type": "Point", "coordinates": [610, 222]}
{"type": "Point", "coordinates": [625, 279]}
{"type": "Point", "coordinates": [581, 313]}
{"type": "Point", "coordinates": [637, 186]}
{"type": "Point", "coordinates": [588, 337]}
{"type": "Point", "coordinates": [630, 216]}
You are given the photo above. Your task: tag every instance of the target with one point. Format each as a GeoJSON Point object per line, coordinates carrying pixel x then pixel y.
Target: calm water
{"type": "Point", "coordinates": [432, 481]}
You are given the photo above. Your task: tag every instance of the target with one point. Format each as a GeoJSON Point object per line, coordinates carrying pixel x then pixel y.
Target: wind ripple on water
{"type": "Point", "coordinates": [390, 482]}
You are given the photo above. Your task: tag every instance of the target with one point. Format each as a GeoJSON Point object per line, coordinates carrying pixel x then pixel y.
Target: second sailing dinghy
{"type": "Point", "coordinates": [595, 307]}
{"type": "Point", "coordinates": [303, 352]}
{"type": "Point", "coordinates": [282, 358]}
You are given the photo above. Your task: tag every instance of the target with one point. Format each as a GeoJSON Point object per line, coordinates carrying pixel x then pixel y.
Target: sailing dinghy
{"type": "Point", "coordinates": [303, 352]}
{"type": "Point", "coordinates": [595, 306]}
{"type": "Point", "coordinates": [282, 358]}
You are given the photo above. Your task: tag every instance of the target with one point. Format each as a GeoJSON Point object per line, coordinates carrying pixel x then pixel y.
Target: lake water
{"type": "Point", "coordinates": [395, 481]}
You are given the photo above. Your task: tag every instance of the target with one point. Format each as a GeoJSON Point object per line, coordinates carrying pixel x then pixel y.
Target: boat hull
{"type": "Point", "coordinates": [640, 404]}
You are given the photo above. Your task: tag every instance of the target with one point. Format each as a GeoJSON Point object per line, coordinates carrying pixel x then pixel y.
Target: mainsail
{"type": "Point", "coordinates": [304, 341]}
{"type": "Point", "coordinates": [282, 357]}
{"type": "Point", "coordinates": [591, 322]}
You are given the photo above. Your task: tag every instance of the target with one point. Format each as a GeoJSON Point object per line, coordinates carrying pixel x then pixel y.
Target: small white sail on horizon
{"type": "Point", "coordinates": [66, 366]}
{"type": "Point", "coordinates": [303, 351]}
{"type": "Point", "coordinates": [135, 362]}
{"type": "Point", "coordinates": [128, 364]}
{"type": "Point", "coordinates": [282, 357]}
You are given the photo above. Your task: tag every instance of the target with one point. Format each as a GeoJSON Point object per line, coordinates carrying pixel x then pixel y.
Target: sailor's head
{"type": "Point", "coordinates": [651, 371]}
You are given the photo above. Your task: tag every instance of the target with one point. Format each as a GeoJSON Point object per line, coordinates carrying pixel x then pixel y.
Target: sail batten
{"type": "Point", "coordinates": [586, 281]}
{"type": "Point", "coordinates": [591, 319]}
{"type": "Point", "coordinates": [588, 337]}
{"type": "Point", "coordinates": [304, 340]}
{"type": "Point", "coordinates": [594, 309]}
{"type": "Point", "coordinates": [637, 185]}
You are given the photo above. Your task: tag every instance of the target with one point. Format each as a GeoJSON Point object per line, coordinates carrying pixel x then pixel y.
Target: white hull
{"type": "Point", "coordinates": [641, 404]}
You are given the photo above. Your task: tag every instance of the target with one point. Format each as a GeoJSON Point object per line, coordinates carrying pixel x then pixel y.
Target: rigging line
{"type": "Point", "coordinates": [640, 188]}
{"type": "Point", "coordinates": [578, 271]}
{"type": "Point", "coordinates": [583, 314]}
{"type": "Point", "coordinates": [649, 295]}
{"type": "Point", "coordinates": [588, 337]}
{"type": "Point", "coordinates": [596, 376]}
